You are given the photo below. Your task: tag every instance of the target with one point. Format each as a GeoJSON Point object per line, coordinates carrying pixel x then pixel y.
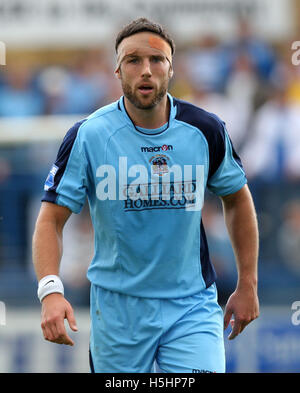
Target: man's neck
{"type": "Point", "coordinates": [149, 118]}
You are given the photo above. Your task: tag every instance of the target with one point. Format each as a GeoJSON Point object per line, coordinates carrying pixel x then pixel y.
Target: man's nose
{"type": "Point", "coordinates": [146, 68]}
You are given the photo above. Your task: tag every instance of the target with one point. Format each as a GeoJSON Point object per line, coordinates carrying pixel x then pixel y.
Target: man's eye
{"type": "Point", "coordinates": [133, 60]}
{"type": "Point", "coordinates": [157, 59]}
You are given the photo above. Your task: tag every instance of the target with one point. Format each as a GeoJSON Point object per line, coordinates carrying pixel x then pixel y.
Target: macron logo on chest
{"type": "Point", "coordinates": [146, 149]}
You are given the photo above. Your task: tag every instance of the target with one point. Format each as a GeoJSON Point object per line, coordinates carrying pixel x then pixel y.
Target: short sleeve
{"type": "Point", "coordinates": [66, 183]}
{"type": "Point", "coordinates": [229, 177]}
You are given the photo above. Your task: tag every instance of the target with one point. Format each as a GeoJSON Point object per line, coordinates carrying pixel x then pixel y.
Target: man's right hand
{"type": "Point", "coordinates": [55, 308]}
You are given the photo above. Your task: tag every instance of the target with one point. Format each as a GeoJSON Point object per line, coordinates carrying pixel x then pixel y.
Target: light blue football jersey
{"type": "Point", "coordinates": [145, 190]}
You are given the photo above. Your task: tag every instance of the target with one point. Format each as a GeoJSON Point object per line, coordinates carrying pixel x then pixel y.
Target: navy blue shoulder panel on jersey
{"type": "Point", "coordinates": [210, 126]}
{"type": "Point", "coordinates": [61, 161]}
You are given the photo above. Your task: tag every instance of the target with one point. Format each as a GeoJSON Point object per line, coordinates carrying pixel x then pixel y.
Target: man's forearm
{"type": "Point", "coordinates": [47, 239]}
{"type": "Point", "coordinates": [47, 253]}
{"type": "Point", "coordinates": [240, 218]}
{"type": "Point", "coordinates": [46, 249]}
{"type": "Point", "coordinates": [241, 222]}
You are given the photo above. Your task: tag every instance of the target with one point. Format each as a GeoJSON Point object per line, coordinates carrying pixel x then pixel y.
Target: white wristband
{"type": "Point", "coordinates": [49, 284]}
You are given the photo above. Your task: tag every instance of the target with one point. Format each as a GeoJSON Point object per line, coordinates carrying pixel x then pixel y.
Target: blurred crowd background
{"type": "Point", "coordinates": [248, 80]}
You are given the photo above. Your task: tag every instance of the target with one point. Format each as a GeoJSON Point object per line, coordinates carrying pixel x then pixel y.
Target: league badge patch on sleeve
{"type": "Point", "coordinates": [50, 178]}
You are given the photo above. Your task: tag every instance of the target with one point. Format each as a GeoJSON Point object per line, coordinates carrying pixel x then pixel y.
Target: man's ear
{"type": "Point", "coordinates": [171, 72]}
{"type": "Point", "coordinates": [118, 73]}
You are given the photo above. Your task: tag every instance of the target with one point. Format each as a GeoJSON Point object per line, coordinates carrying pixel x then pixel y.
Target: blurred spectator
{"type": "Point", "coordinates": [289, 235]}
{"type": "Point", "coordinates": [54, 81]}
{"type": "Point", "coordinates": [259, 52]}
{"type": "Point", "coordinates": [208, 64]}
{"type": "Point", "coordinates": [81, 89]}
{"type": "Point", "coordinates": [242, 90]}
{"type": "Point", "coordinates": [234, 114]}
{"type": "Point", "coordinates": [293, 92]}
{"type": "Point", "coordinates": [243, 74]}
{"type": "Point", "coordinates": [272, 153]}
{"type": "Point", "coordinates": [180, 84]}
{"type": "Point", "coordinates": [291, 74]}
{"type": "Point", "coordinates": [18, 96]}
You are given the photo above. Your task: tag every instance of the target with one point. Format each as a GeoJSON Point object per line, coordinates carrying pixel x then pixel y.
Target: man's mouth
{"type": "Point", "coordinates": [145, 89]}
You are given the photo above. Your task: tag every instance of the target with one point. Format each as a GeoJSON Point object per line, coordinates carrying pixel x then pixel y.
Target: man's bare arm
{"type": "Point", "coordinates": [241, 222]}
{"type": "Point", "coordinates": [47, 239]}
{"type": "Point", "coordinates": [47, 253]}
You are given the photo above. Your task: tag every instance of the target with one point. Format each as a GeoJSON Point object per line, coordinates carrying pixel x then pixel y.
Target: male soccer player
{"type": "Point", "coordinates": [144, 162]}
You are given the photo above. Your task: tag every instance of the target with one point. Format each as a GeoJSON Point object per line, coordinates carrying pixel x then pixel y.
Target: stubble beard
{"type": "Point", "coordinates": [137, 102]}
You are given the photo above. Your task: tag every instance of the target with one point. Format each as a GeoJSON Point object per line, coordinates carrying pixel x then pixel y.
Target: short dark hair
{"type": "Point", "coordinates": [141, 25]}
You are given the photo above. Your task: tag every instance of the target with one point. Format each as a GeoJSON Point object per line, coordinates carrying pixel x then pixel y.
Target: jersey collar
{"type": "Point", "coordinates": [148, 131]}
